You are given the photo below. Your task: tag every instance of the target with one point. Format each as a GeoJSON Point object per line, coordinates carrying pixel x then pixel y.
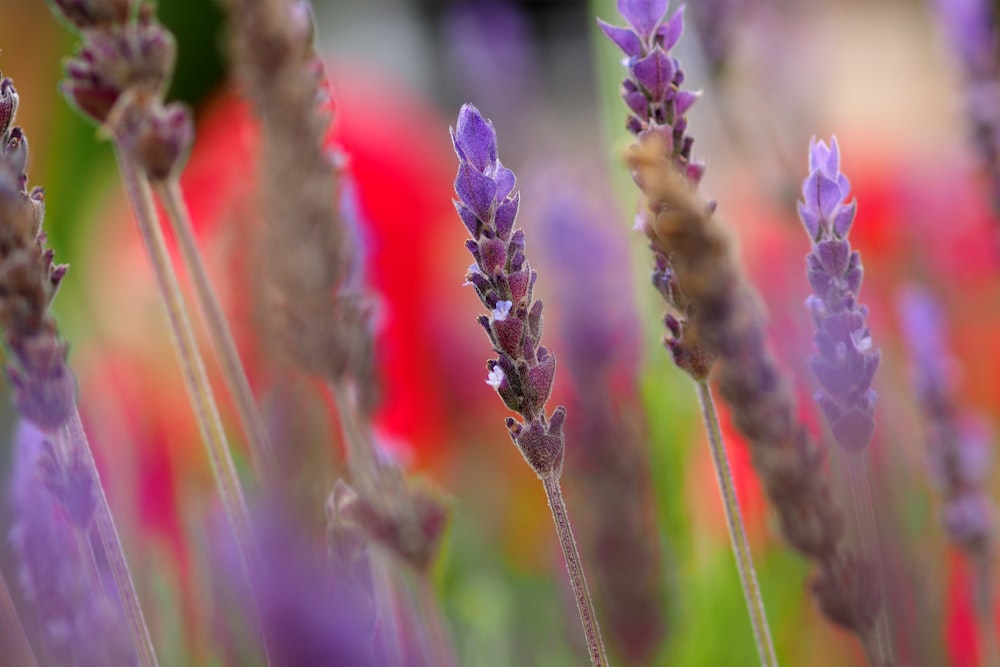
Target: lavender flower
{"type": "Point", "coordinates": [651, 90]}
{"type": "Point", "coordinates": [523, 371]}
{"type": "Point", "coordinates": [957, 442]}
{"type": "Point", "coordinates": [657, 109]}
{"type": "Point", "coordinates": [846, 358]}
{"type": "Point", "coordinates": [77, 616]}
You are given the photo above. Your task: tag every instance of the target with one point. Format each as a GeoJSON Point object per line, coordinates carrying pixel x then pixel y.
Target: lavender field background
{"type": "Point", "coordinates": [904, 85]}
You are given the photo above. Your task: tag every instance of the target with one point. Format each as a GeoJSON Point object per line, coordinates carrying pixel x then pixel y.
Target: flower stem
{"type": "Point", "coordinates": [737, 530]}
{"type": "Point", "coordinates": [10, 622]}
{"type": "Point", "coordinates": [864, 513]}
{"type": "Point", "coordinates": [75, 439]}
{"type": "Point", "coordinates": [982, 596]}
{"type": "Point", "coordinates": [574, 566]}
{"type": "Point", "coordinates": [440, 647]}
{"type": "Point", "coordinates": [192, 368]}
{"type": "Point", "coordinates": [262, 453]}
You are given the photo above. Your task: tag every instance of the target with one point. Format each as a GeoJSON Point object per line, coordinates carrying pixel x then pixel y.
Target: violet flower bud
{"type": "Point", "coordinates": [87, 14]}
{"type": "Point", "coordinates": [846, 358]}
{"type": "Point", "coordinates": [523, 371]}
{"type": "Point", "coordinates": [138, 54]}
{"type": "Point", "coordinates": [157, 137]}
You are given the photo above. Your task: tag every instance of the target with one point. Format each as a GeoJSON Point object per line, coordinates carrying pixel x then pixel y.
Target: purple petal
{"type": "Point", "coordinates": [476, 191]}
{"type": "Point", "coordinates": [505, 180]}
{"type": "Point", "coordinates": [508, 333]}
{"type": "Point", "coordinates": [655, 73]}
{"type": "Point", "coordinates": [624, 38]}
{"type": "Point", "coordinates": [818, 154]}
{"type": "Point", "coordinates": [821, 194]}
{"type": "Point", "coordinates": [494, 255]}
{"type": "Point", "coordinates": [505, 215]}
{"type": "Point", "coordinates": [643, 15]}
{"type": "Point", "coordinates": [635, 100]}
{"type": "Point", "coordinates": [540, 378]}
{"type": "Point", "coordinates": [474, 138]}
{"type": "Point", "coordinates": [670, 31]}
{"type": "Point", "coordinates": [469, 218]}
{"type": "Point", "coordinates": [519, 281]}
{"type": "Point", "coordinates": [810, 220]}
{"type": "Point", "coordinates": [854, 430]}
{"type": "Point", "coordinates": [833, 256]}
{"type": "Point", "coordinates": [684, 99]}
{"type": "Point", "coordinates": [844, 218]}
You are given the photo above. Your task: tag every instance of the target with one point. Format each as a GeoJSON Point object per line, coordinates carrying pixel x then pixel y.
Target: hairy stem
{"type": "Point", "coordinates": [864, 513]}
{"type": "Point", "coordinates": [574, 567]}
{"type": "Point", "coordinates": [218, 328]}
{"type": "Point", "coordinates": [10, 624]}
{"type": "Point", "coordinates": [982, 597]}
{"type": "Point", "coordinates": [193, 369]}
{"type": "Point", "coordinates": [75, 439]}
{"type": "Point", "coordinates": [737, 530]}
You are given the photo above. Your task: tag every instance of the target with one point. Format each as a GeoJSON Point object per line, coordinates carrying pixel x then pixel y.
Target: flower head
{"type": "Point", "coordinates": [524, 370]}
{"type": "Point", "coordinates": [846, 357]}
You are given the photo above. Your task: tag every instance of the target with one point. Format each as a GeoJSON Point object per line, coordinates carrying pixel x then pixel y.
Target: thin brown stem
{"type": "Point", "coordinates": [864, 513]}
{"type": "Point", "coordinates": [192, 369]}
{"type": "Point", "coordinates": [737, 530]}
{"type": "Point", "coordinates": [172, 198]}
{"type": "Point", "coordinates": [76, 440]}
{"type": "Point", "coordinates": [574, 567]}
{"type": "Point", "coordinates": [10, 623]}
{"type": "Point", "coordinates": [982, 597]}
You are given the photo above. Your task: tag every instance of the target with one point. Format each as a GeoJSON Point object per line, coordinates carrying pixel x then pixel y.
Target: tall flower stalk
{"type": "Point", "coordinates": [846, 359]}
{"type": "Point", "coordinates": [958, 455]}
{"type": "Point", "coordinates": [523, 371]}
{"type": "Point", "coordinates": [43, 383]}
{"type": "Point", "coordinates": [658, 108]}
{"type": "Point", "coordinates": [118, 79]}
{"type": "Point", "coordinates": [317, 307]}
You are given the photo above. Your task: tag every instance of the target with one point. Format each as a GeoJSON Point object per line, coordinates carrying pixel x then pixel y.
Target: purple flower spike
{"type": "Point", "coordinates": [846, 358]}
{"type": "Point", "coordinates": [523, 372]}
{"type": "Point", "coordinates": [644, 16]}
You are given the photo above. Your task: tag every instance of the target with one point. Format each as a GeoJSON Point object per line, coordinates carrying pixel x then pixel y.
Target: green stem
{"type": "Point", "coordinates": [864, 514]}
{"type": "Point", "coordinates": [441, 651]}
{"type": "Point", "coordinates": [172, 198]}
{"type": "Point", "coordinates": [737, 530]}
{"type": "Point", "coordinates": [10, 622]}
{"type": "Point", "coordinates": [193, 370]}
{"type": "Point", "coordinates": [574, 567]}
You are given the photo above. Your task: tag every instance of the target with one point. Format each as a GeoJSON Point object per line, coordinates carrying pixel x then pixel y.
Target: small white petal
{"type": "Point", "coordinates": [502, 310]}
{"type": "Point", "coordinates": [496, 377]}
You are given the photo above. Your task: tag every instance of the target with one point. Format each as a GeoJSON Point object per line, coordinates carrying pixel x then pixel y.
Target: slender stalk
{"type": "Point", "coordinates": [193, 370]}
{"type": "Point", "coordinates": [574, 567]}
{"type": "Point", "coordinates": [440, 647]}
{"type": "Point", "coordinates": [389, 623]}
{"type": "Point", "coordinates": [76, 440]}
{"type": "Point", "coordinates": [982, 597]}
{"type": "Point", "coordinates": [218, 327]}
{"type": "Point", "coordinates": [861, 500]}
{"type": "Point", "coordinates": [362, 461]}
{"type": "Point", "coordinates": [10, 622]}
{"type": "Point", "coordinates": [737, 530]}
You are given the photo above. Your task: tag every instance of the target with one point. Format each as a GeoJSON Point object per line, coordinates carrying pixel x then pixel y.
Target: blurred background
{"type": "Point", "coordinates": [881, 75]}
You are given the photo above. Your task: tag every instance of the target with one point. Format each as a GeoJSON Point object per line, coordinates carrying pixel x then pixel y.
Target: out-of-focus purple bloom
{"type": "Point", "coordinates": [311, 612]}
{"type": "Point", "coordinates": [972, 30]}
{"type": "Point", "coordinates": [845, 359]}
{"type": "Point", "coordinates": [77, 618]}
{"type": "Point", "coordinates": [487, 205]}
{"type": "Point", "coordinates": [717, 23]}
{"type": "Point", "coordinates": [958, 443]}
{"type": "Point", "coordinates": [599, 332]}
